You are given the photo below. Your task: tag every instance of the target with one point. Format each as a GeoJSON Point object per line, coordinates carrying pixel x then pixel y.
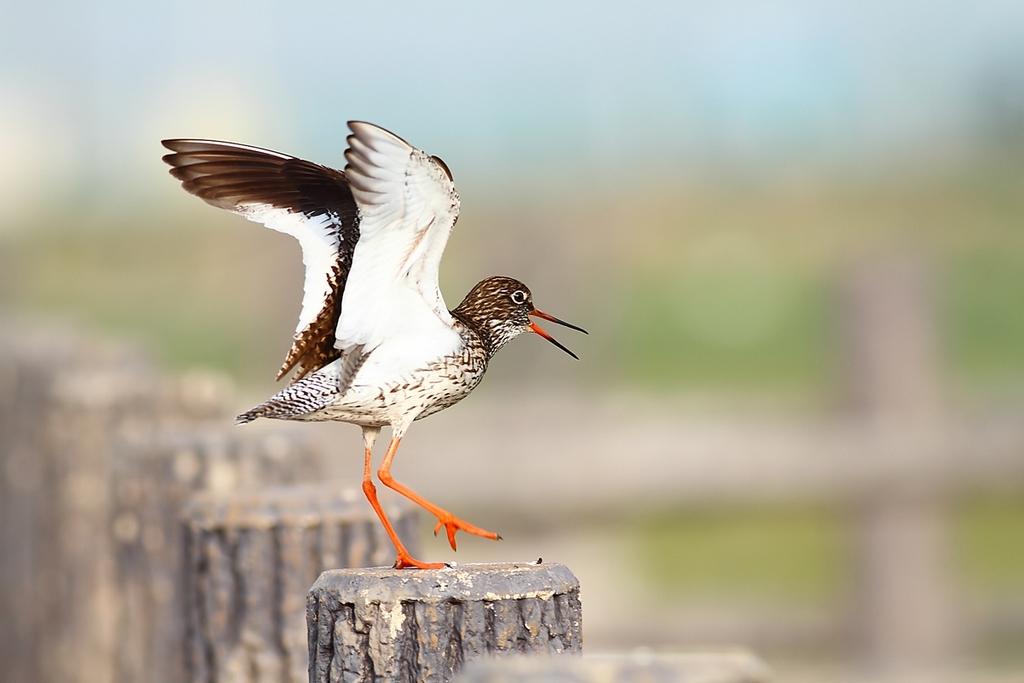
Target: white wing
{"type": "Point", "coordinates": [319, 239]}
{"type": "Point", "coordinates": [408, 206]}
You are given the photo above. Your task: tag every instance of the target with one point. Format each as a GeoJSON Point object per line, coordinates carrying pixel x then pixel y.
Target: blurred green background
{"type": "Point", "coordinates": [728, 289]}
{"type": "Point", "coordinates": [688, 181]}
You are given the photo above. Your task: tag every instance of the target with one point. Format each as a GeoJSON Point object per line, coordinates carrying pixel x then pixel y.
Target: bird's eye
{"type": "Point", "coordinates": [519, 297]}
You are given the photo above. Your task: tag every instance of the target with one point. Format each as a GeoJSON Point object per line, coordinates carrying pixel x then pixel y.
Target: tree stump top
{"type": "Point", "coordinates": [383, 625]}
{"type": "Point", "coordinates": [463, 582]}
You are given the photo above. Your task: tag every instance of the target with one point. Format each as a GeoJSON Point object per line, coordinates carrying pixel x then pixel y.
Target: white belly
{"type": "Point", "coordinates": [394, 387]}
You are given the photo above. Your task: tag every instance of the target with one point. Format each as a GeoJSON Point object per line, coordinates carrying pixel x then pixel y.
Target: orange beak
{"type": "Point", "coordinates": [537, 330]}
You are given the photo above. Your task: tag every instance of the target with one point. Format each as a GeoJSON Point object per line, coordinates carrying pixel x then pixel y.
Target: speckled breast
{"type": "Point", "coordinates": [412, 396]}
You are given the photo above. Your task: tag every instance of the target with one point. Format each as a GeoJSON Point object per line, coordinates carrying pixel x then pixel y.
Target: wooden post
{"type": "Point", "coordinates": [905, 614]}
{"type": "Point", "coordinates": [250, 559]}
{"type": "Point", "coordinates": [728, 666]}
{"type": "Point", "coordinates": [156, 472]}
{"type": "Point", "coordinates": [65, 396]}
{"type": "Point", "coordinates": [386, 625]}
{"type": "Point", "coordinates": [890, 339]}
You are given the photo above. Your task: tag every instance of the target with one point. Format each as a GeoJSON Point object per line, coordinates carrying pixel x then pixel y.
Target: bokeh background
{"type": "Point", "coordinates": [730, 196]}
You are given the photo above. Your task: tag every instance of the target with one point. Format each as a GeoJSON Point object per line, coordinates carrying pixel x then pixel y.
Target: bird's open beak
{"type": "Point", "coordinates": [536, 329]}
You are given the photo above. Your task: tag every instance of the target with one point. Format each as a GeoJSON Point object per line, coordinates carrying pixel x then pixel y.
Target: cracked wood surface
{"type": "Point", "coordinates": [376, 625]}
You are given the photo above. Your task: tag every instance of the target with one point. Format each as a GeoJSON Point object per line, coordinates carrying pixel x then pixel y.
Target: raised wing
{"type": "Point", "coordinates": [312, 203]}
{"type": "Point", "coordinates": [408, 206]}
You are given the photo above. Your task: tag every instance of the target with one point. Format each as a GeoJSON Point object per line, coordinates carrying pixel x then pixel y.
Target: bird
{"type": "Point", "coordinates": [375, 344]}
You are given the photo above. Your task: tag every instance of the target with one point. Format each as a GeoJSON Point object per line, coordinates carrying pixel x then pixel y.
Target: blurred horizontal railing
{"type": "Point", "coordinates": [614, 458]}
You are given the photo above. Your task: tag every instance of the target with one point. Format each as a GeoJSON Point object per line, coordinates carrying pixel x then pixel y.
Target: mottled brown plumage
{"type": "Point", "coordinates": [313, 347]}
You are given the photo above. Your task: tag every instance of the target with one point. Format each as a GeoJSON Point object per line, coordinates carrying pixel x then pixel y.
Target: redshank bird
{"type": "Point", "coordinates": [375, 344]}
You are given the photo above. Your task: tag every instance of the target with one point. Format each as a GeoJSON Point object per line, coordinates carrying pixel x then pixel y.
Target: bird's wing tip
{"type": "Point", "coordinates": [367, 133]}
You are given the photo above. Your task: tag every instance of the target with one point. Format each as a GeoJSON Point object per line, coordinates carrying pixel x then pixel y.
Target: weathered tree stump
{"type": "Point", "coordinates": [155, 473]}
{"type": "Point", "coordinates": [376, 625]}
{"type": "Point", "coordinates": [735, 666]}
{"type": "Point", "coordinates": [250, 559]}
{"type": "Point", "coordinates": [65, 396]}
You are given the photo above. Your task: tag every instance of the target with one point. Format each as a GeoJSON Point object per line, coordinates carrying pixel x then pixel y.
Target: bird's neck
{"type": "Point", "coordinates": [477, 332]}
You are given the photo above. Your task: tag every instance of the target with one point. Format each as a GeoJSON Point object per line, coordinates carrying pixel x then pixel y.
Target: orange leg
{"type": "Point", "coordinates": [444, 518]}
{"type": "Point", "coordinates": [404, 559]}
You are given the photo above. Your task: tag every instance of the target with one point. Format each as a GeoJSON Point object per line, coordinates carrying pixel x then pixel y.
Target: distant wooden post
{"type": "Point", "coordinates": [890, 339]}
{"type": "Point", "coordinates": [250, 559]}
{"type": "Point", "coordinates": [65, 397]}
{"type": "Point", "coordinates": [726, 666]}
{"type": "Point", "coordinates": [97, 455]}
{"type": "Point", "coordinates": [386, 625]}
{"type": "Point", "coordinates": [905, 608]}
{"type": "Point", "coordinates": [155, 473]}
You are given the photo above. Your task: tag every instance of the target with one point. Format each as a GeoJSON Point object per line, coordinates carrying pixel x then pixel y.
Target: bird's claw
{"type": "Point", "coordinates": [453, 524]}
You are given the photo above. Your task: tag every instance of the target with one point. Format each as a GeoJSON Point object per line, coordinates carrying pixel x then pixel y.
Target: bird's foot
{"type": "Point", "coordinates": [406, 561]}
{"type": "Point", "coordinates": [451, 523]}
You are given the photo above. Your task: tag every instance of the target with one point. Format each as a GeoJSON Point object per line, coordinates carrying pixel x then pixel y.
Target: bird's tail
{"type": "Point", "coordinates": [296, 401]}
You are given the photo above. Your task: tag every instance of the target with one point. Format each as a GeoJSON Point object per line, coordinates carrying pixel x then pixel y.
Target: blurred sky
{"type": "Point", "coordinates": [586, 92]}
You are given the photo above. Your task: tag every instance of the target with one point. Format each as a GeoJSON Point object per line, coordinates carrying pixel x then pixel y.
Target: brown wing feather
{"type": "Point", "coordinates": [313, 348]}
{"type": "Point", "coordinates": [231, 177]}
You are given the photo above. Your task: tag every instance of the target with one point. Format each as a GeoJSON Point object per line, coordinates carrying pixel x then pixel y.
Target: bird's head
{"type": "Point", "coordinates": [500, 309]}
